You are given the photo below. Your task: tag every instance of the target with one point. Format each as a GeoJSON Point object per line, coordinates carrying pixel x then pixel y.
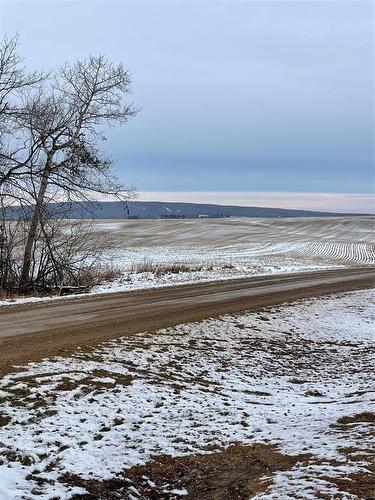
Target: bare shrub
{"type": "Point", "coordinates": [163, 268]}
{"type": "Point", "coordinates": [65, 256]}
{"type": "Point", "coordinates": [5, 295]}
{"type": "Point", "coordinates": [176, 268]}
{"type": "Point", "coordinates": [95, 275]}
{"type": "Point", "coordinates": [160, 269]}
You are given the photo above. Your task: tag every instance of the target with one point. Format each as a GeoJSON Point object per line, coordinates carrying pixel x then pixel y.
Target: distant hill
{"type": "Point", "coordinates": [164, 210]}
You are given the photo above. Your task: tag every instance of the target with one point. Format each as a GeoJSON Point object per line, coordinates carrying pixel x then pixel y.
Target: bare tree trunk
{"type": "Point", "coordinates": [35, 219]}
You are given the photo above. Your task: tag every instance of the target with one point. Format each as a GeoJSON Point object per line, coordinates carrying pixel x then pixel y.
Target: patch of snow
{"type": "Point", "coordinates": [180, 492]}
{"type": "Point", "coordinates": [106, 226]}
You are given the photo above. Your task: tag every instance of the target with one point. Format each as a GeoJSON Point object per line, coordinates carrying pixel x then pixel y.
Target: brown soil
{"type": "Point", "coordinates": [234, 473]}
{"type": "Point", "coordinates": [360, 484]}
{"type": "Point", "coordinates": [367, 417]}
{"type": "Point", "coordinates": [4, 420]}
{"type": "Point", "coordinates": [30, 332]}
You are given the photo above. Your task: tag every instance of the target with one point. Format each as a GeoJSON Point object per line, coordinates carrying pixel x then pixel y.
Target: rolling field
{"type": "Point", "coordinates": [210, 249]}
{"type": "Point", "coordinates": [336, 240]}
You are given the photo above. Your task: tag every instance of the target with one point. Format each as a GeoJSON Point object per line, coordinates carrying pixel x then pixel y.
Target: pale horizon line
{"type": "Point", "coordinates": [318, 201]}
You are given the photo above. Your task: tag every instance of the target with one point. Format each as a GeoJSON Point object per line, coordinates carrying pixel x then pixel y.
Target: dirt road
{"type": "Point", "coordinates": [32, 331]}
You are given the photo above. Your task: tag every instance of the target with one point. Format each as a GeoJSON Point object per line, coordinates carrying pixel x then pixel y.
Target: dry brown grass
{"type": "Point", "coordinates": [85, 279]}
{"type": "Point", "coordinates": [4, 294]}
{"type": "Point", "coordinates": [161, 269]}
{"type": "Point", "coordinates": [96, 275]}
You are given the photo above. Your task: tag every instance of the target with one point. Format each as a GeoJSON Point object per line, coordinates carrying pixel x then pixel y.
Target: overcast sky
{"type": "Point", "coordinates": [236, 96]}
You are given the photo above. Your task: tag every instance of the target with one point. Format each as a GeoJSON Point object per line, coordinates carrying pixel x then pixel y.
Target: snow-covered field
{"type": "Point", "coordinates": [251, 245]}
{"type": "Point", "coordinates": [216, 249]}
{"type": "Point", "coordinates": [285, 376]}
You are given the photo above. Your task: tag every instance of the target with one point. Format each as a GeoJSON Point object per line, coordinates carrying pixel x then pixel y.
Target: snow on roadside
{"type": "Point", "coordinates": [142, 280]}
{"type": "Point", "coordinates": [280, 376]}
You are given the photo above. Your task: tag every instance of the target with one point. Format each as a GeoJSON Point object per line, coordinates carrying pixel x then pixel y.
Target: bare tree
{"type": "Point", "coordinates": [50, 133]}
{"type": "Point", "coordinates": [65, 119]}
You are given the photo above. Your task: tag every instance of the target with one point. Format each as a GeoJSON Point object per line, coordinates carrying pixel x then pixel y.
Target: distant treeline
{"type": "Point", "coordinates": [159, 210]}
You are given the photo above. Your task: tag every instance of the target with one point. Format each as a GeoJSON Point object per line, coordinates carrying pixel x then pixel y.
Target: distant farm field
{"type": "Point", "coordinates": [152, 251]}
{"type": "Point", "coordinates": [332, 240]}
